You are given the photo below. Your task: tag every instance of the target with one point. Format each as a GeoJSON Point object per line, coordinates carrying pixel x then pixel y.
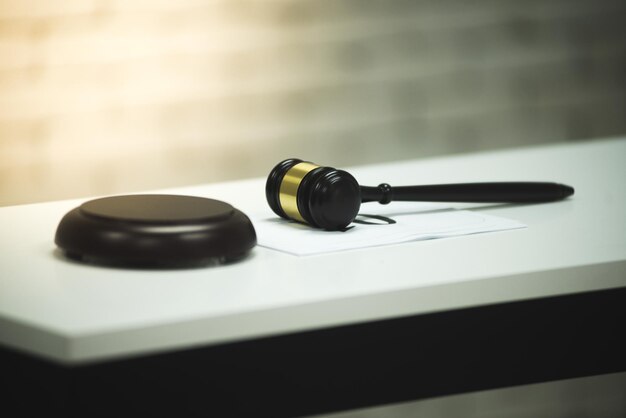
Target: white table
{"type": "Point", "coordinates": [106, 323]}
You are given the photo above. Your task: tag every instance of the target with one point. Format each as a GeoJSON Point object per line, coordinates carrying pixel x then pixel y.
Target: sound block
{"type": "Point", "coordinates": [155, 230]}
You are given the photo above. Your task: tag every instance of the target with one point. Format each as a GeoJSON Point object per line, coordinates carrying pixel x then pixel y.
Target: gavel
{"type": "Point", "coordinates": [330, 199]}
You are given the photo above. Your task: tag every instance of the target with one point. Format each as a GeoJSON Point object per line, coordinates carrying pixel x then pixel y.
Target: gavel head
{"type": "Point", "coordinates": [322, 197]}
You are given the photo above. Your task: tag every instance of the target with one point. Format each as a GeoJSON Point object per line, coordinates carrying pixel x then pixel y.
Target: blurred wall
{"type": "Point", "coordinates": [111, 96]}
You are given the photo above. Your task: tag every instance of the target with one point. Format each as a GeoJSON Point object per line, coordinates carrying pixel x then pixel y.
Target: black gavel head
{"type": "Point", "coordinates": [323, 197]}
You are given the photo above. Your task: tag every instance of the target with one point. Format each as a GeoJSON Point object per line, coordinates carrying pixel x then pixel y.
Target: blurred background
{"type": "Point", "coordinates": [110, 96]}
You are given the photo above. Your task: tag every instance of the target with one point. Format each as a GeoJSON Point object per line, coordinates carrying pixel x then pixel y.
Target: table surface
{"type": "Point", "coordinates": [75, 314]}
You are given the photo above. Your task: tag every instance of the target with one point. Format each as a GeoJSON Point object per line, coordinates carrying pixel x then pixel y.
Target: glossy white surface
{"type": "Point", "coordinates": [77, 313]}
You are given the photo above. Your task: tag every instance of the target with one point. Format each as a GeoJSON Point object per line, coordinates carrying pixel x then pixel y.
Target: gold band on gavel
{"type": "Point", "coordinates": [289, 189]}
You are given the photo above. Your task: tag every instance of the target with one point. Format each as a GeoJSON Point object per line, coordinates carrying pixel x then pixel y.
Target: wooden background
{"type": "Point", "coordinates": [104, 96]}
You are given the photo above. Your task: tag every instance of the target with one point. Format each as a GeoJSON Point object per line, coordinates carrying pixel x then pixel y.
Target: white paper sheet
{"type": "Point", "coordinates": [413, 222]}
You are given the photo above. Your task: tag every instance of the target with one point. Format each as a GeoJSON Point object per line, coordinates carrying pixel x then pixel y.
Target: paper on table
{"type": "Point", "coordinates": [414, 222]}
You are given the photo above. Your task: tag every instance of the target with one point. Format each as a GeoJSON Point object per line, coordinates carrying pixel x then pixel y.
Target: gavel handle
{"type": "Point", "coordinates": [510, 192]}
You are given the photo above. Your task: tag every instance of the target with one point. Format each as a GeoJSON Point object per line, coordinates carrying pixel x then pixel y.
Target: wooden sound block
{"type": "Point", "coordinates": [155, 231]}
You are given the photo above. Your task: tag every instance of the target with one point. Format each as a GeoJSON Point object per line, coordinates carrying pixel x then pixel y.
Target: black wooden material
{"type": "Point", "coordinates": [338, 368]}
{"type": "Point", "coordinates": [330, 199]}
{"type": "Point", "coordinates": [272, 185]}
{"type": "Point", "coordinates": [504, 192]}
{"type": "Point", "coordinates": [155, 231]}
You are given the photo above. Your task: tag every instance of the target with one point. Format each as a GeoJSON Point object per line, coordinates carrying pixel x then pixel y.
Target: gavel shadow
{"type": "Point", "coordinates": [388, 218]}
{"type": "Point", "coordinates": [464, 206]}
{"type": "Point", "coordinates": [366, 217]}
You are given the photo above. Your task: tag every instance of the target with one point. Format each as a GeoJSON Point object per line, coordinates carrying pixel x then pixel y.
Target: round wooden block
{"type": "Point", "coordinates": [155, 231]}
